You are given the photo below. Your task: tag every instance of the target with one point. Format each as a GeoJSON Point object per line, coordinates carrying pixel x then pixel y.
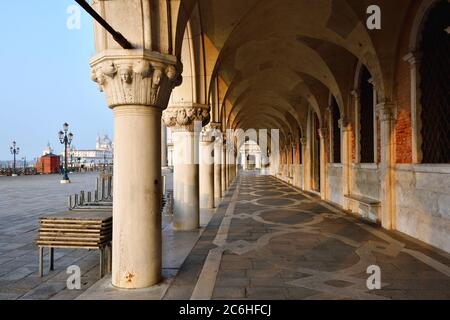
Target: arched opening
{"type": "Point", "coordinates": [434, 85]}
{"type": "Point", "coordinates": [251, 158]}
{"type": "Point", "coordinates": [366, 118]}
{"type": "Point", "coordinates": [335, 131]}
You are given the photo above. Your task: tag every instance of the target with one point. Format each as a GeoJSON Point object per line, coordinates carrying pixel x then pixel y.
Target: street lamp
{"type": "Point", "coordinates": [14, 151]}
{"type": "Point", "coordinates": [24, 159]}
{"type": "Point", "coordinates": [65, 139]}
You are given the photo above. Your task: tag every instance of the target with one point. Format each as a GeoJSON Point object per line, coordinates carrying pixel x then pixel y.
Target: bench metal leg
{"type": "Point", "coordinates": [51, 265]}
{"type": "Point", "coordinates": [108, 258]}
{"type": "Point", "coordinates": [102, 261]}
{"type": "Point", "coordinates": [41, 258]}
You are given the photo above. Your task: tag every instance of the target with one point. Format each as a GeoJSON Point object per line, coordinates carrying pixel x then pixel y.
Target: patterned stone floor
{"type": "Point", "coordinates": [266, 240]}
{"type": "Point", "coordinates": [269, 241]}
{"type": "Point", "coordinates": [23, 200]}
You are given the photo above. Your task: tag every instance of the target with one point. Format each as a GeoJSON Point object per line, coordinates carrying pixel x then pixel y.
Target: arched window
{"type": "Point", "coordinates": [336, 131]}
{"type": "Point", "coordinates": [435, 85]}
{"type": "Point", "coordinates": [366, 134]}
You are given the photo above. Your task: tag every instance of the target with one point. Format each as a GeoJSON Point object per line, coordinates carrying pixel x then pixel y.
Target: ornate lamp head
{"type": "Point", "coordinates": [61, 136]}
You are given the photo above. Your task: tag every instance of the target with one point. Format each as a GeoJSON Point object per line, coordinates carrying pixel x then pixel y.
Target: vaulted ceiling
{"type": "Point", "coordinates": [272, 59]}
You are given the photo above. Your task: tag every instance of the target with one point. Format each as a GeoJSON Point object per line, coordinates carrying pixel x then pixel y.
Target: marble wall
{"type": "Point", "coordinates": [366, 181]}
{"type": "Point", "coordinates": [335, 192]}
{"type": "Point", "coordinates": [423, 203]}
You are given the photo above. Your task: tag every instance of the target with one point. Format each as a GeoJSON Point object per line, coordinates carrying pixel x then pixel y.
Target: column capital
{"type": "Point", "coordinates": [303, 141]}
{"type": "Point", "coordinates": [356, 93]}
{"type": "Point", "coordinates": [386, 111]}
{"type": "Point", "coordinates": [207, 136]}
{"type": "Point", "coordinates": [182, 117]}
{"type": "Point", "coordinates": [344, 123]}
{"type": "Point", "coordinates": [323, 133]}
{"type": "Point", "coordinates": [413, 58]}
{"type": "Point", "coordinates": [215, 125]}
{"type": "Point", "coordinates": [135, 77]}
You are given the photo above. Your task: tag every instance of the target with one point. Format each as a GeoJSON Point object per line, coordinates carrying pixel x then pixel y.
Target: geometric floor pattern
{"type": "Point", "coordinates": [270, 241]}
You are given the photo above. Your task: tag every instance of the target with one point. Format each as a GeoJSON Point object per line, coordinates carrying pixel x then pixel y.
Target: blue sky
{"type": "Point", "coordinates": [46, 78]}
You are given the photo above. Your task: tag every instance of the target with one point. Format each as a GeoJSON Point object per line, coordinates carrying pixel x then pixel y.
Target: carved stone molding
{"type": "Point", "coordinates": [183, 117]}
{"type": "Point", "coordinates": [344, 123]}
{"type": "Point", "coordinates": [386, 111]}
{"type": "Point", "coordinates": [207, 136]}
{"type": "Point", "coordinates": [135, 77]}
{"type": "Point", "coordinates": [323, 133]}
{"type": "Point", "coordinates": [215, 125]}
{"type": "Point", "coordinates": [413, 58]}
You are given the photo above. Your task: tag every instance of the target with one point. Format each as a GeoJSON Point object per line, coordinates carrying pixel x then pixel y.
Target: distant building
{"type": "Point", "coordinates": [87, 158]}
{"type": "Point", "coordinates": [48, 162]}
{"type": "Point", "coordinates": [48, 150]}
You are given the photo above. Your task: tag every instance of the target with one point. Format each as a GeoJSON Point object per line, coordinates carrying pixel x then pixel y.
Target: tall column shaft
{"type": "Point", "coordinates": [206, 172]}
{"type": "Point", "coordinates": [186, 207]}
{"type": "Point", "coordinates": [137, 85]}
{"type": "Point", "coordinates": [185, 121]}
{"type": "Point", "coordinates": [385, 112]}
{"type": "Point", "coordinates": [346, 157]}
{"type": "Point", "coordinates": [223, 169]}
{"type": "Point", "coordinates": [137, 193]}
{"type": "Point", "coordinates": [217, 171]}
{"type": "Point", "coordinates": [323, 133]}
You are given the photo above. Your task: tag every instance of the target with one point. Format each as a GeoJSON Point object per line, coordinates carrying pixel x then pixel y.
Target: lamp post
{"type": "Point", "coordinates": [24, 159]}
{"type": "Point", "coordinates": [66, 139]}
{"type": "Point", "coordinates": [14, 151]}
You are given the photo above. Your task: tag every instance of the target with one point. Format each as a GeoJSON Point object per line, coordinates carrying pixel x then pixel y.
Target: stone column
{"type": "Point", "coordinates": [207, 170]}
{"type": "Point", "coordinates": [223, 167]}
{"type": "Point", "coordinates": [356, 98]}
{"type": "Point", "coordinates": [296, 165]}
{"type": "Point", "coordinates": [286, 164]}
{"type": "Point", "coordinates": [306, 177]}
{"type": "Point", "coordinates": [217, 163]}
{"type": "Point", "coordinates": [137, 85]}
{"type": "Point", "coordinates": [414, 60]}
{"type": "Point", "coordinates": [346, 150]}
{"type": "Point", "coordinates": [217, 158]}
{"type": "Point", "coordinates": [185, 121]}
{"type": "Point", "coordinates": [231, 161]}
{"type": "Point", "coordinates": [306, 174]}
{"type": "Point", "coordinates": [323, 134]}
{"type": "Point", "coordinates": [386, 114]}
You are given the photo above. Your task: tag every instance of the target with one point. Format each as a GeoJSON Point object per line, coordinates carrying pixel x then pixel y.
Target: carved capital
{"type": "Point", "coordinates": [323, 133]}
{"type": "Point", "coordinates": [183, 117]}
{"type": "Point", "coordinates": [207, 136]}
{"type": "Point", "coordinates": [136, 77]}
{"type": "Point", "coordinates": [344, 123]}
{"type": "Point", "coordinates": [303, 141]}
{"type": "Point", "coordinates": [355, 93]}
{"type": "Point", "coordinates": [215, 125]}
{"type": "Point", "coordinates": [386, 111]}
{"type": "Point", "coordinates": [413, 58]}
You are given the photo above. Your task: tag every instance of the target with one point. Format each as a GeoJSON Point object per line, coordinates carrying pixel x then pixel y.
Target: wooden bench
{"type": "Point", "coordinates": [91, 229]}
{"type": "Point", "coordinates": [367, 208]}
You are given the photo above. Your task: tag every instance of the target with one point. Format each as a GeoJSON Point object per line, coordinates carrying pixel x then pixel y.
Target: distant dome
{"type": "Point", "coordinates": [47, 150]}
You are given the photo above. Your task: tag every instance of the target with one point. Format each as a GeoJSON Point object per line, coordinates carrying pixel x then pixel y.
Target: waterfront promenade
{"type": "Point", "coordinates": [23, 200]}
